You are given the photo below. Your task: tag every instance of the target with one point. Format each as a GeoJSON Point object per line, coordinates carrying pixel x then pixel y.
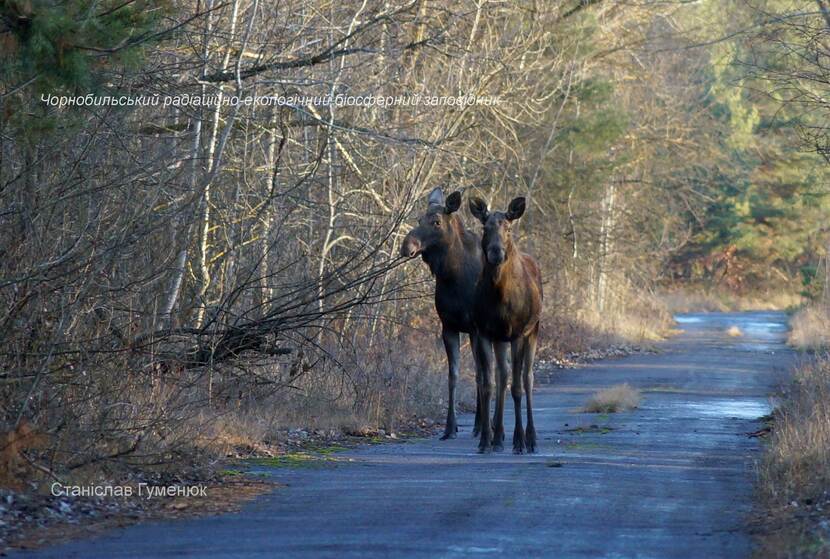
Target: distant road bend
{"type": "Point", "coordinates": [671, 479]}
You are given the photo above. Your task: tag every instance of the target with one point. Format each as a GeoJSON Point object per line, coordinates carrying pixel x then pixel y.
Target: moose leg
{"type": "Point", "coordinates": [484, 351]}
{"type": "Point", "coordinates": [529, 354]}
{"type": "Point", "coordinates": [501, 387]}
{"type": "Point", "coordinates": [451, 344]}
{"type": "Point", "coordinates": [476, 361]}
{"type": "Point", "coordinates": [519, 351]}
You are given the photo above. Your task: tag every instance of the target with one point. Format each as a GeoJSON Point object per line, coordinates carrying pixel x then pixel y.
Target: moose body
{"type": "Point", "coordinates": [453, 255]}
{"type": "Point", "coordinates": [507, 309]}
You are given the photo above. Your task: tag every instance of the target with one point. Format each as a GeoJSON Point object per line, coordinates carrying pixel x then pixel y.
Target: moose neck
{"type": "Point", "coordinates": [499, 276]}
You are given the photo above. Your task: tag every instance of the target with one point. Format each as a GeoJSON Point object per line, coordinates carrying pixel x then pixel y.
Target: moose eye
{"type": "Point", "coordinates": [436, 223]}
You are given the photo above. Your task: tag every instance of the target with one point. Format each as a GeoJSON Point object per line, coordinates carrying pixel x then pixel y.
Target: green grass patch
{"type": "Point", "coordinates": [601, 429]}
{"type": "Point", "coordinates": [585, 445]}
{"type": "Point", "coordinates": [329, 450]}
{"type": "Point", "coordinates": [301, 459]}
{"type": "Point", "coordinates": [288, 460]}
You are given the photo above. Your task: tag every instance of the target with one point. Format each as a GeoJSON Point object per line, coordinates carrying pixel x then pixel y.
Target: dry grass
{"type": "Point", "coordinates": [794, 474]}
{"type": "Point", "coordinates": [810, 328]}
{"type": "Point", "coordinates": [620, 397]}
{"type": "Point", "coordinates": [389, 386]}
{"type": "Point", "coordinates": [567, 329]}
{"type": "Point", "coordinates": [13, 465]}
{"type": "Point", "coordinates": [796, 466]}
{"type": "Point", "coordinates": [734, 332]}
{"type": "Point", "coordinates": [181, 425]}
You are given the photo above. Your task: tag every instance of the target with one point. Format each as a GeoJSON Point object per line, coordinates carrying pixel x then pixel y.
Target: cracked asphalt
{"type": "Point", "coordinates": [673, 478]}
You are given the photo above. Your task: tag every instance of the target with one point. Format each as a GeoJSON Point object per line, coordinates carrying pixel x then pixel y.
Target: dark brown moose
{"type": "Point", "coordinates": [453, 255]}
{"type": "Point", "coordinates": [507, 306]}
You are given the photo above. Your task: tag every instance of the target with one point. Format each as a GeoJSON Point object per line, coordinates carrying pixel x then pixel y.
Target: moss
{"type": "Point", "coordinates": [304, 459]}
{"type": "Point", "coordinates": [601, 429]}
{"type": "Point", "coordinates": [585, 446]}
{"type": "Point", "coordinates": [288, 460]}
{"type": "Point", "coordinates": [328, 450]}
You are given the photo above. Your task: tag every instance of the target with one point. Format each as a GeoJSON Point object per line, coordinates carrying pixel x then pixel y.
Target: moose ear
{"type": "Point", "coordinates": [436, 197]}
{"type": "Point", "coordinates": [478, 208]}
{"type": "Point", "coordinates": [453, 202]}
{"type": "Point", "coordinates": [516, 208]}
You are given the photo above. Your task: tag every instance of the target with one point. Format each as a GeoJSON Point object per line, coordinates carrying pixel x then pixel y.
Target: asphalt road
{"type": "Point", "coordinates": [673, 478]}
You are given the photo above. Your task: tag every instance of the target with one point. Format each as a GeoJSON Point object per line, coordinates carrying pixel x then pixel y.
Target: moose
{"type": "Point", "coordinates": [454, 257]}
{"type": "Point", "coordinates": [506, 310]}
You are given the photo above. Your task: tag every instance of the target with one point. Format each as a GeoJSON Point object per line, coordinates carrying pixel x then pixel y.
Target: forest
{"type": "Point", "coordinates": [202, 203]}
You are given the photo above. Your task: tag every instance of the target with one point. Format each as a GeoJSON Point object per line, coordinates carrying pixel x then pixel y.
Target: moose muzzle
{"type": "Point", "coordinates": [411, 247]}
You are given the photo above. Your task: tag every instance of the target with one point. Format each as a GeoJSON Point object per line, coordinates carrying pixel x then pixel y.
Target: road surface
{"type": "Point", "coordinates": [673, 478]}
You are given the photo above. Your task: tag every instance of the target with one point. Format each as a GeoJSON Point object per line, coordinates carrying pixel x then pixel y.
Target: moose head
{"type": "Point", "coordinates": [497, 241]}
{"type": "Point", "coordinates": [435, 227]}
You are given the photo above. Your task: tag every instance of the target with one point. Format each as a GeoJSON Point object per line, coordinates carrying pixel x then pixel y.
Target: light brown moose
{"type": "Point", "coordinates": [507, 306]}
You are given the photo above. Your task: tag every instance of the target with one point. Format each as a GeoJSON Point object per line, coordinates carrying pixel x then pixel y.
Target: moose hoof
{"type": "Point", "coordinates": [530, 438]}
{"type": "Point", "coordinates": [448, 435]}
{"type": "Point", "coordinates": [518, 441]}
{"type": "Point", "coordinates": [498, 447]}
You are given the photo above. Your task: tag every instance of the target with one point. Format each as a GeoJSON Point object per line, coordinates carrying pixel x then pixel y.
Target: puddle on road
{"type": "Point", "coordinates": [758, 332]}
{"type": "Point", "coordinates": [766, 327]}
{"type": "Point", "coordinates": [742, 409]}
{"type": "Point", "coordinates": [755, 348]}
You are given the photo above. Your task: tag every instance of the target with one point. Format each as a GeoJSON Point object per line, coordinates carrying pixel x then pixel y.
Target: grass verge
{"type": "Point", "coordinates": [794, 474]}
{"type": "Point", "coordinates": [810, 328]}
